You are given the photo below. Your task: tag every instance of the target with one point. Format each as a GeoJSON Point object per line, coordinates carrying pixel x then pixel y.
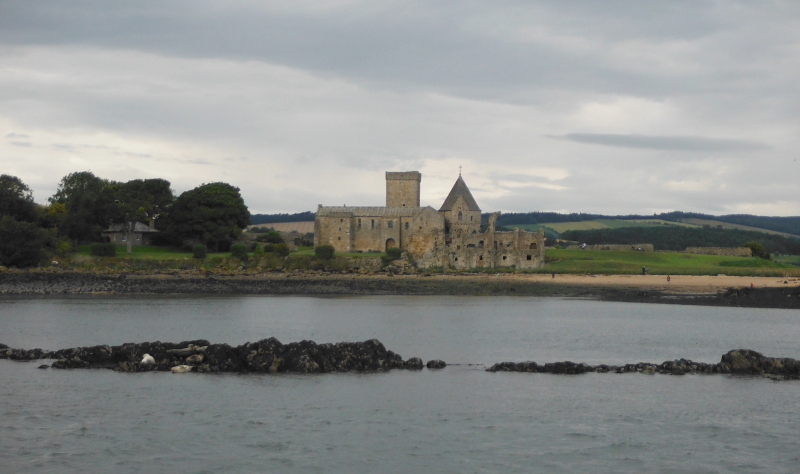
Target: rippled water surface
{"type": "Point", "coordinates": [460, 419]}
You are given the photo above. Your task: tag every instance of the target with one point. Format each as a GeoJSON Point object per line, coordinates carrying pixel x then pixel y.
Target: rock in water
{"type": "Point", "coordinates": [414, 363]}
{"type": "Point", "coordinates": [436, 364]}
{"type": "Point", "coordinates": [181, 369]}
{"type": "Point", "coordinates": [147, 359]}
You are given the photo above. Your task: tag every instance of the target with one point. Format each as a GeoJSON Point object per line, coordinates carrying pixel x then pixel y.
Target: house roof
{"type": "Point", "coordinates": [138, 227]}
{"type": "Point", "coordinates": [461, 190]}
{"type": "Point", "coordinates": [334, 211]}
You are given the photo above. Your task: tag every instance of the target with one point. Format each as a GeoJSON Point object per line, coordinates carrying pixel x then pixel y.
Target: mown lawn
{"type": "Point", "coordinates": [662, 263]}
{"type": "Point", "coordinates": [151, 252]}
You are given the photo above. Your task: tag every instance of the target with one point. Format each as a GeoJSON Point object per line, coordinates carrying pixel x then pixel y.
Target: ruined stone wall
{"type": "Point", "coordinates": [428, 249]}
{"type": "Point", "coordinates": [726, 251]}
{"type": "Point", "coordinates": [517, 249]}
{"type": "Point", "coordinates": [403, 188]}
{"type": "Point", "coordinates": [639, 247]}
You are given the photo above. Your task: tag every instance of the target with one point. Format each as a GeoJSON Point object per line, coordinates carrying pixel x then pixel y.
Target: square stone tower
{"type": "Point", "coordinates": [402, 188]}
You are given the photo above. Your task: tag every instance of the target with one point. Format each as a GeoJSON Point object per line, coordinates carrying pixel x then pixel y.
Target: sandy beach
{"type": "Point", "coordinates": [680, 284]}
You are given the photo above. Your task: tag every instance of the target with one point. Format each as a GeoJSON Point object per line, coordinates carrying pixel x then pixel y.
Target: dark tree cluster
{"type": "Point", "coordinates": [22, 237]}
{"type": "Point", "coordinates": [84, 205]}
{"type": "Point", "coordinates": [273, 218]}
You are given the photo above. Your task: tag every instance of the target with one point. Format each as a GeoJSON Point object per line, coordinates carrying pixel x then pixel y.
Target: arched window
{"type": "Point", "coordinates": [460, 216]}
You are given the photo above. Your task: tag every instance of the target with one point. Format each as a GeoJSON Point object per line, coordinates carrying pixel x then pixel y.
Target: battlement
{"type": "Point", "coordinates": [411, 175]}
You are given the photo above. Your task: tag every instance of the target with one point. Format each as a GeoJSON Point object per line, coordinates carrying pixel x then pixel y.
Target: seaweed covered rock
{"type": "Point", "coordinates": [750, 362]}
{"type": "Point", "coordinates": [737, 362]}
{"type": "Point", "coordinates": [264, 356]}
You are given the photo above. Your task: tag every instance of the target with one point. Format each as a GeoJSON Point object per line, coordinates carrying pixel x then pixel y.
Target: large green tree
{"type": "Point", "coordinates": [212, 214]}
{"type": "Point", "coordinates": [139, 200]}
{"type": "Point", "coordinates": [21, 243]}
{"type": "Point", "coordinates": [86, 215]}
{"type": "Point", "coordinates": [16, 199]}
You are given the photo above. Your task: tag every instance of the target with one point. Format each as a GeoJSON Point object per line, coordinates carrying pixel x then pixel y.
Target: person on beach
{"type": "Point", "coordinates": [554, 273]}
{"type": "Point", "coordinates": [644, 270]}
{"type": "Point", "coordinates": [668, 278]}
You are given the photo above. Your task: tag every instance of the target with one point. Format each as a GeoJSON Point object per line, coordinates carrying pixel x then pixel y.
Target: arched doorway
{"type": "Point", "coordinates": [390, 243]}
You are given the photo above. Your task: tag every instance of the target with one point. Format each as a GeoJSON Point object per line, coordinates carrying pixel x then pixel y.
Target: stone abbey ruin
{"type": "Point", "coordinates": [451, 237]}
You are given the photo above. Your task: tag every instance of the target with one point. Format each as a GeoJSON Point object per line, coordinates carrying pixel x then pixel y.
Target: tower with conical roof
{"type": "Point", "coordinates": [461, 213]}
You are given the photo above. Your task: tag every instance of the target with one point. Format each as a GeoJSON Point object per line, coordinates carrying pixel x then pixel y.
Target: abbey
{"type": "Point", "coordinates": [450, 237]}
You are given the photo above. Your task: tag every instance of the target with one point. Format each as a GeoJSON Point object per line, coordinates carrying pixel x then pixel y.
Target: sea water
{"type": "Point", "coordinates": [459, 419]}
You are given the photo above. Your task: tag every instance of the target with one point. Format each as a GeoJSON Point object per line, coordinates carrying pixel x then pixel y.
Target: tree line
{"type": "Point", "coordinates": [85, 205]}
{"type": "Point", "coordinates": [789, 225]}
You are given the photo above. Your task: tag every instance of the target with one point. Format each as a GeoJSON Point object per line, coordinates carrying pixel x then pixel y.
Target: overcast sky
{"type": "Point", "coordinates": [611, 107]}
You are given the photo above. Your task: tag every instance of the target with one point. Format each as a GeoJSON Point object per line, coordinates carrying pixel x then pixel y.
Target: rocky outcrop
{"type": "Point", "coordinates": [436, 364]}
{"type": "Point", "coordinates": [265, 356]}
{"type": "Point", "coordinates": [738, 362]}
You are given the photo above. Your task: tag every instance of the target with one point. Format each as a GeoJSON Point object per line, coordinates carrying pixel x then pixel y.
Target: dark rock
{"type": "Point", "coordinates": [266, 356]}
{"type": "Point", "coordinates": [436, 364]}
{"type": "Point", "coordinates": [414, 363]}
{"type": "Point", "coordinates": [528, 366]}
{"type": "Point", "coordinates": [566, 368]}
{"type": "Point", "coordinates": [44, 366]}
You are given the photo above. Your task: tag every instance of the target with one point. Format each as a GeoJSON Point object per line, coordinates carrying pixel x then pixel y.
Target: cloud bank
{"type": "Point", "coordinates": [619, 107]}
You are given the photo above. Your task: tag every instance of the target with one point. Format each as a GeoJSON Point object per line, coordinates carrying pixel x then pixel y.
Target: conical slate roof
{"type": "Point", "coordinates": [460, 189]}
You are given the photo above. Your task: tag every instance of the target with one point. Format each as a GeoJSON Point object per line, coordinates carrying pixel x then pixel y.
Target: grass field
{"type": "Point", "coordinates": [727, 225]}
{"type": "Point", "coordinates": [150, 252]}
{"type": "Point", "coordinates": [608, 262]}
{"type": "Point", "coordinates": [612, 262]}
{"type": "Point", "coordinates": [560, 227]}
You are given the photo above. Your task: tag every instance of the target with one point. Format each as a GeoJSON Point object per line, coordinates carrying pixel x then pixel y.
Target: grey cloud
{"type": "Point", "coordinates": [16, 135]}
{"type": "Point", "coordinates": [22, 144]}
{"type": "Point", "coordinates": [477, 49]}
{"type": "Point", "coordinates": [665, 143]}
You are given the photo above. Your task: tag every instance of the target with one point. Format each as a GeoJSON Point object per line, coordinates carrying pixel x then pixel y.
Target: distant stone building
{"type": "Point", "coordinates": [450, 237]}
{"type": "Point", "coordinates": [142, 234]}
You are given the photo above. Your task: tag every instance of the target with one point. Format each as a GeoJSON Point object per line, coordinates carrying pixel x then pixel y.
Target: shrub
{"type": "Point", "coordinates": [282, 250]}
{"type": "Point", "coordinates": [199, 251]}
{"type": "Point", "coordinates": [324, 252]}
{"type": "Point", "coordinates": [757, 248]}
{"type": "Point", "coordinates": [272, 237]}
{"type": "Point", "coordinates": [258, 251]}
{"type": "Point", "coordinates": [103, 250]}
{"type": "Point", "coordinates": [64, 247]}
{"type": "Point", "coordinates": [394, 253]}
{"type": "Point", "coordinates": [239, 251]}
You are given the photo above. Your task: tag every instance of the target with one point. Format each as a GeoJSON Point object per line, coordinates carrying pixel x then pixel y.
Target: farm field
{"type": "Point", "coordinates": [611, 262]}
{"type": "Point", "coordinates": [600, 224]}
{"type": "Point", "coordinates": [727, 225]}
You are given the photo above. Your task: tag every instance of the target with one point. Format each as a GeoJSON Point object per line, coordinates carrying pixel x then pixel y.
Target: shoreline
{"type": "Point", "coordinates": [722, 290]}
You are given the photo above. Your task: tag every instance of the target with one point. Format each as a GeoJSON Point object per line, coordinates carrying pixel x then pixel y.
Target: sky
{"type": "Point", "coordinates": [612, 107]}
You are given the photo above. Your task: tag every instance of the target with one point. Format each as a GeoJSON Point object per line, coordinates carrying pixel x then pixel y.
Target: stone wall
{"type": "Point", "coordinates": [639, 247]}
{"type": "Point", "coordinates": [727, 251]}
